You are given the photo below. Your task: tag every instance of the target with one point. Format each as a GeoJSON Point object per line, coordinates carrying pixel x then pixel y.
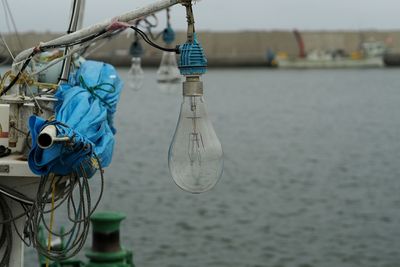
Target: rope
{"type": "Point", "coordinates": [15, 80]}
{"type": "Point", "coordinates": [99, 87]}
{"type": "Point", "coordinates": [24, 78]}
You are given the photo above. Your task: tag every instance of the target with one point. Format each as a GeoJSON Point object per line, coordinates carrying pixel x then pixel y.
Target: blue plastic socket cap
{"type": "Point", "coordinates": [168, 35]}
{"type": "Point", "coordinates": [192, 58]}
{"type": "Point", "coordinates": [136, 49]}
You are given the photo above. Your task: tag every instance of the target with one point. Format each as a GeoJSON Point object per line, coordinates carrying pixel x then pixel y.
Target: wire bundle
{"type": "Point", "coordinates": [69, 194]}
{"type": "Point", "coordinates": [39, 49]}
{"type": "Point", "coordinates": [72, 198]}
{"type": "Point", "coordinates": [6, 232]}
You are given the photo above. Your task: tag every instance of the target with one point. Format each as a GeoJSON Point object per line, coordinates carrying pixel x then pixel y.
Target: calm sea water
{"type": "Point", "coordinates": [312, 172]}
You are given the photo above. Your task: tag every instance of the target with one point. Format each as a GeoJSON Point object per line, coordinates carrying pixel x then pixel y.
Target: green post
{"type": "Point", "coordinates": [106, 250]}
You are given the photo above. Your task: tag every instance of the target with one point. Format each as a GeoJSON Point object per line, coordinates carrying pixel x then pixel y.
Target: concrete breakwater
{"type": "Point", "coordinates": [229, 49]}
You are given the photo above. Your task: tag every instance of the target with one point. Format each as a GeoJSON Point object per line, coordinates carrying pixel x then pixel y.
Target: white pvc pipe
{"type": "Point", "coordinates": [96, 28]}
{"type": "Point", "coordinates": [48, 136]}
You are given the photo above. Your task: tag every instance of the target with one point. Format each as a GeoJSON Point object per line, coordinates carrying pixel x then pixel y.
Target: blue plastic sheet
{"type": "Point", "coordinates": [84, 112]}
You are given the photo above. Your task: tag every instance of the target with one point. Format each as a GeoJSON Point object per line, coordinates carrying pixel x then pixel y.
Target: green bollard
{"type": "Point", "coordinates": [106, 250]}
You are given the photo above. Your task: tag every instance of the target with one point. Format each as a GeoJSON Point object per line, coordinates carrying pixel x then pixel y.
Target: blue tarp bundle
{"type": "Point", "coordinates": [84, 112]}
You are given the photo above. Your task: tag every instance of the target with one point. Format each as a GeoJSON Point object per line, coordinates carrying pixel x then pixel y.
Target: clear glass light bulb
{"type": "Point", "coordinates": [195, 155]}
{"type": "Point", "coordinates": [168, 71]}
{"type": "Point", "coordinates": [168, 74]}
{"type": "Point", "coordinates": [136, 74]}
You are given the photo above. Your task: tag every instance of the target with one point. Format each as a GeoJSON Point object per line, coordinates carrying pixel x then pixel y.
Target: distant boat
{"type": "Point", "coordinates": [370, 55]}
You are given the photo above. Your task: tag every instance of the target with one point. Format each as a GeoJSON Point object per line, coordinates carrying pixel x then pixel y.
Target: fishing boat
{"type": "Point", "coordinates": [57, 131]}
{"type": "Point", "coordinates": [370, 55]}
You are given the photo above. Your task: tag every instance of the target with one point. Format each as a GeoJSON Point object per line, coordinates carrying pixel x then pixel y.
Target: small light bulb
{"type": "Point", "coordinates": [168, 74]}
{"type": "Point", "coordinates": [195, 155]}
{"type": "Point", "coordinates": [136, 74]}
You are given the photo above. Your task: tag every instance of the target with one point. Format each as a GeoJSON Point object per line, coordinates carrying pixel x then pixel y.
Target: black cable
{"type": "Point", "coordinates": [42, 48]}
{"type": "Point", "coordinates": [80, 41]}
{"type": "Point", "coordinates": [79, 212]}
{"type": "Point", "coordinates": [79, 205]}
{"type": "Point", "coordinates": [72, 17]}
{"type": "Point", "coordinates": [19, 73]}
{"type": "Point", "coordinates": [15, 195]}
{"type": "Point", "coordinates": [147, 40]}
{"type": "Point", "coordinates": [13, 219]}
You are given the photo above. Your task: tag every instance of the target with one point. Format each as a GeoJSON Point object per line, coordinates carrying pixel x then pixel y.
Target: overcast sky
{"type": "Point", "coordinates": [51, 15]}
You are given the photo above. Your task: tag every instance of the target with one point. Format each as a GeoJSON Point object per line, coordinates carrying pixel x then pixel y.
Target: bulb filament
{"type": "Point", "coordinates": [196, 144]}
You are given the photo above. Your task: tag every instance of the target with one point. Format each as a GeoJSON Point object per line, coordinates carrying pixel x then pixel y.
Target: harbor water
{"type": "Point", "coordinates": [311, 177]}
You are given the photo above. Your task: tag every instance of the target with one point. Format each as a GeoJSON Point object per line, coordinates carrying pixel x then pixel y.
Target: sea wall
{"type": "Point", "coordinates": [247, 48]}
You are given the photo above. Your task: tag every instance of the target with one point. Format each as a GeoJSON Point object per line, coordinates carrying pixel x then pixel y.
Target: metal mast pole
{"type": "Point", "coordinates": [75, 21]}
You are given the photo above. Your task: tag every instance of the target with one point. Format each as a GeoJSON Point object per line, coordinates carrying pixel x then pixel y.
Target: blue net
{"type": "Point", "coordinates": [84, 113]}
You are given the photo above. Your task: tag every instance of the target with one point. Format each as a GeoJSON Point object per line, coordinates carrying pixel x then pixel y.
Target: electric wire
{"type": "Point", "coordinates": [15, 195]}
{"type": "Point", "coordinates": [73, 193]}
{"type": "Point", "coordinates": [72, 17]}
{"type": "Point", "coordinates": [150, 42]}
{"type": "Point", "coordinates": [43, 48]}
{"type": "Point", "coordinates": [80, 41]}
{"type": "Point", "coordinates": [81, 49]}
{"type": "Point", "coordinates": [16, 78]}
{"type": "Point", "coordinates": [79, 208]}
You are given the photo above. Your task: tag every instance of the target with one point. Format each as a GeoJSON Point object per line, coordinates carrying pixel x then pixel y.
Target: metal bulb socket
{"type": "Point", "coordinates": [193, 86]}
